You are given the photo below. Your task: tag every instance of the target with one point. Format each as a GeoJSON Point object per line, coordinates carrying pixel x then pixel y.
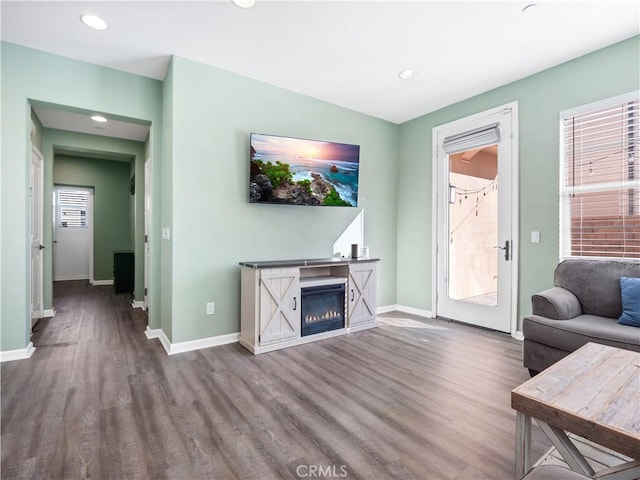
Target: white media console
{"type": "Point", "coordinates": [275, 294]}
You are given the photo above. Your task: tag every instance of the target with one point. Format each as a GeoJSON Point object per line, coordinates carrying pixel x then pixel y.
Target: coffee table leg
{"type": "Point", "coordinates": [523, 444]}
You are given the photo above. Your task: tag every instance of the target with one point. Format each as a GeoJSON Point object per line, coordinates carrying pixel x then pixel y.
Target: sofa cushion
{"type": "Point", "coordinates": [569, 335]}
{"type": "Point", "coordinates": [630, 290]}
{"type": "Point", "coordinates": [596, 283]}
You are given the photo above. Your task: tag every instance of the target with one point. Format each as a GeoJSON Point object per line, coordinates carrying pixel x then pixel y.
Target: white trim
{"type": "Point", "coordinates": [43, 314]}
{"type": "Point", "coordinates": [103, 282]}
{"type": "Point", "coordinates": [139, 304]}
{"type": "Point", "coordinates": [191, 345]}
{"type": "Point", "coordinates": [201, 343]}
{"type": "Point", "coordinates": [515, 211]}
{"type": "Point", "coordinates": [607, 102]}
{"type": "Point", "coordinates": [91, 234]}
{"type": "Point", "coordinates": [519, 335]}
{"type": "Point", "coordinates": [416, 311]}
{"type": "Point", "coordinates": [405, 309]}
{"type": "Point", "coordinates": [152, 333]}
{"type": "Point", "coordinates": [386, 309]}
{"type": "Point", "coordinates": [70, 277]}
{"type": "Point", "coordinates": [19, 354]}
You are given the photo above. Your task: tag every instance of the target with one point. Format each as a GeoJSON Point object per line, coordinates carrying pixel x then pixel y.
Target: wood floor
{"type": "Point", "coordinates": [99, 400]}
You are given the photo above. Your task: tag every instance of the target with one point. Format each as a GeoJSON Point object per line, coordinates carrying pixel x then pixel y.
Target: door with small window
{"type": "Point", "coordinates": [72, 233]}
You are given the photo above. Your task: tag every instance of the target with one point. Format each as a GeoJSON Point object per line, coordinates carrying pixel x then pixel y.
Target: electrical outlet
{"type": "Point", "coordinates": [211, 308]}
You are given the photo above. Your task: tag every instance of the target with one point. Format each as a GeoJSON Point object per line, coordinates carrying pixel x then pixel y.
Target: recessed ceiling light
{"type": "Point", "coordinates": [244, 3]}
{"type": "Point", "coordinates": [93, 21]}
{"type": "Point", "coordinates": [98, 118]}
{"type": "Point", "coordinates": [407, 74]}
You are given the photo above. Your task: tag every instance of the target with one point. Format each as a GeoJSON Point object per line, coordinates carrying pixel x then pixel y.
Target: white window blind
{"type": "Point", "coordinates": [479, 137]}
{"type": "Point", "coordinates": [600, 180]}
{"type": "Point", "coordinates": [72, 208]}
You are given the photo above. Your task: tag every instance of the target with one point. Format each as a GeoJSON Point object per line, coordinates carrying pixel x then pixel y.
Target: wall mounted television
{"type": "Point", "coordinates": [297, 171]}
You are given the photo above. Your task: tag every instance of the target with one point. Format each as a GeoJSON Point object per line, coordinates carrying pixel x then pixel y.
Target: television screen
{"type": "Point", "coordinates": [296, 171]}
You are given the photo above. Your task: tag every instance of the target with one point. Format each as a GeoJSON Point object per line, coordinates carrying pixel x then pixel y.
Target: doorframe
{"type": "Point", "coordinates": [515, 212]}
{"type": "Point", "coordinates": [148, 212]}
{"type": "Point", "coordinates": [40, 313]}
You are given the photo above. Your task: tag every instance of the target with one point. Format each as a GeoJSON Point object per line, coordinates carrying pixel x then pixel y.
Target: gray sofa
{"type": "Point", "coordinates": [583, 307]}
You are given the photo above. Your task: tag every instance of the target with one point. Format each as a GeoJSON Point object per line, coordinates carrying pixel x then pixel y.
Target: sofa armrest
{"type": "Point", "coordinates": [556, 303]}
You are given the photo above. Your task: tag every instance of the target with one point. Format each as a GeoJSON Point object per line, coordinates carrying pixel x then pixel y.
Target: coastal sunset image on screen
{"type": "Point", "coordinates": [303, 172]}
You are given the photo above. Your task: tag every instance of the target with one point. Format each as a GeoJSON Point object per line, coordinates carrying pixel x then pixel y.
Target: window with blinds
{"type": "Point", "coordinates": [600, 180]}
{"type": "Point", "coordinates": [71, 208]}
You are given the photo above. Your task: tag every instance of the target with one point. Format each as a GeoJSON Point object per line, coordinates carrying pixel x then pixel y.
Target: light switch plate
{"type": "Point", "coordinates": [535, 236]}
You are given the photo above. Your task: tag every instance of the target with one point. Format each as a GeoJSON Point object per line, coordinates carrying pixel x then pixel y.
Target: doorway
{"type": "Point", "coordinates": [72, 233]}
{"type": "Point", "coordinates": [475, 175]}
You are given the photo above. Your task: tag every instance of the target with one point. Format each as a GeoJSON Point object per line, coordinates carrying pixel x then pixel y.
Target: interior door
{"type": "Point", "coordinates": [72, 235]}
{"type": "Point", "coordinates": [147, 230]}
{"type": "Point", "coordinates": [36, 241]}
{"type": "Point", "coordinates": [474, 162]}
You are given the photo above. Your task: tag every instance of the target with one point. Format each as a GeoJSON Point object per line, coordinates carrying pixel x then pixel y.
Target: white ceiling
{"type": "Point", "coordinates": [81, 122]}
{"type": "Point", "coordinates": [347, 53]}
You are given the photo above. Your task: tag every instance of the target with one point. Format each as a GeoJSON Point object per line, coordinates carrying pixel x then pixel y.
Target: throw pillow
{"type": "Point", "coordinates": [630, 290]}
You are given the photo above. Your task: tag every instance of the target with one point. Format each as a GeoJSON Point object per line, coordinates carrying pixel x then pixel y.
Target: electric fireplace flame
{"type": "Point", "coordinates": [322, 308]}
{"type": "Point", "coordinates": [330, 315]}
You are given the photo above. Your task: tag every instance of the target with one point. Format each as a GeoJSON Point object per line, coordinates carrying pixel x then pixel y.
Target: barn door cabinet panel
{"type": "Point", "coordinates": [362, 295]}
{"type": "Point", "coordinates": [270, 306]}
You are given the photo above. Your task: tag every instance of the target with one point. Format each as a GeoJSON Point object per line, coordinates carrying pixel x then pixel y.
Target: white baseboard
{"type": "Point", "coordinates": [139, 304]}
{"type": "Point", "coordinates": [405, 309]}
{"type": "Point", "coordinates": [70, 277]}
{"type": "Point", "coordinates": [386, 309]}
{"type": "Point", "coordinates": [519, 336]}
{"type": "Point", "coordinates": [49, 313]}
{"type": "Point", "coordinates": [20, 354]}
{"type": "Point", "coordinates": [182, 347]}
{"type": "Point", "coordinates": [103, 282]}
{"type": "Point", "coordinates": [155, 333]}
{"type": "Point", "coordinates": [201, 343]}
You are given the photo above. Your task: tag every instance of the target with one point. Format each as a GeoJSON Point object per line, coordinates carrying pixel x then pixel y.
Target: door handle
{"type": "Point", "coordinates": [295, 303]}
{"type": "Point", "coordinates": [506, 248]}
{"type": "Point", "coordinates": [40, 247]}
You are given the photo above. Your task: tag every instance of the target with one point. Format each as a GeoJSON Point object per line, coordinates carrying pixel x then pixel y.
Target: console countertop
{"type": "Point", "coordinates": [309, 262]}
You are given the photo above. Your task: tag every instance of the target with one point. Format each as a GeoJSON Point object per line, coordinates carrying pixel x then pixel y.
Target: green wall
{"type": "Point", "coordinates": [213, 225]}
{"type": "Point", "coordinates": [605, 73]}
{"type": "Point", "coordinates": [201, 118]}
{"type": "Point", "coordinates": [99, 149]}
{"type": "Point", "coordinates": [30, 75]}
{"type": "Point", "coordinates": [111, 204]}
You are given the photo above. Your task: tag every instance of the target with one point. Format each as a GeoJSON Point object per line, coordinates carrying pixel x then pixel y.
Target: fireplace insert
{"type": "Point", "coordinates": [322, 308]}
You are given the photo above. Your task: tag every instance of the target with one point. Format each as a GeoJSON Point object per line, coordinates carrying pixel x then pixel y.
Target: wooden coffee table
{"type": "Point", "coordinates": [594, 393]}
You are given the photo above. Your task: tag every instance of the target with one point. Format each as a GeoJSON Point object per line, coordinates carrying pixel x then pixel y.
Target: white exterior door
{"type": "Point", "coordinates": [72, 234]}
{"type": "Point", "coordinates": [36, 190]}
{"type": "Point", "coordinates": [475, 170]}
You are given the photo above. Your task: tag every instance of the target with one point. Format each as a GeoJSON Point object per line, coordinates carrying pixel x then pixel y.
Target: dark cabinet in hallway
{"type": "Point", "coordinates": [123, 271]}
